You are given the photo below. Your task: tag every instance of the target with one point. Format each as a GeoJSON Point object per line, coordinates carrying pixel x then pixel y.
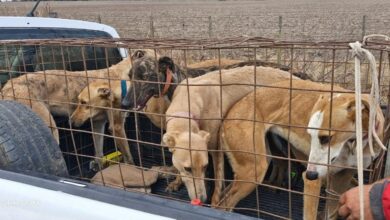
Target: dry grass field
{"type": "Point", "coordinates": [301, 19]}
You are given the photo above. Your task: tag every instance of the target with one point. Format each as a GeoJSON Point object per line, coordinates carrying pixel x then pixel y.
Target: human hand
{"type": "Point", "coordinates": [350, 206]}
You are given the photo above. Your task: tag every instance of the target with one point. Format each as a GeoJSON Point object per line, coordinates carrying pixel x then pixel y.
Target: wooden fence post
{"type": "Point", "coordinates": [210, 27]}
{"type": "Point", "coordinates": [364, 26]}
{"type": "Point", "coordinates": [151, 27]}
{"type": "Point", "coordinates": [279, 36]}
{"type": "Point", "coordinates": [183, 29]}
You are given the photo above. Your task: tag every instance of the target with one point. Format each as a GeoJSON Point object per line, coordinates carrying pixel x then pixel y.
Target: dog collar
{"type": "Point", "coordinates": [123, 88]}
{"type": "Point", "coordinates": [167, 82]}
{"type": "Point", "coordinates": [184, 115]}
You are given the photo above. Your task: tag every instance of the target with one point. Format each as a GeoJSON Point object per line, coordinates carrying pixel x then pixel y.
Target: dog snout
{"type": "Point", "coordinates": [77, 123]}
{"type": "Point", "coordinates": [76, 120]}
{"type": "Point", "coordinates": [311, 172]}
{"type": "Point", "coordinates": [311, 167]}
{"type": "Point", "coordinates": [73, 119]}
{"type": "Point", "coordinates": [201, 191]}
{"type": "Point", "coordinates": [203, 198]}
{"type": "Point", "coordinates": [311, 175]}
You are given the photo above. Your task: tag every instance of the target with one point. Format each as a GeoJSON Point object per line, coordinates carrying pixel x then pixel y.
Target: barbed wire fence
{"type": "Point", "coordinates": [283, 27]}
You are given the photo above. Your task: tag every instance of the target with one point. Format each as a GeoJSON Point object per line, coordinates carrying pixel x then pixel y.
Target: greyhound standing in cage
{"type": "Point", "coordinates": [208, 97]}
{"type": "Point", "coordinates": [101, 99]}
{"type": "Point", "coordinates": [316, 122]}
{"type": "Point", "coordinates": [54, 92]}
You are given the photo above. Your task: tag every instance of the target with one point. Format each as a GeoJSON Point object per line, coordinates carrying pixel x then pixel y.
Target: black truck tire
{"type": "Point", "coordinates": [26, 143]}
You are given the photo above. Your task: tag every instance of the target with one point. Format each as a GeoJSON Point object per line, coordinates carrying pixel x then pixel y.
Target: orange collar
{"type": "Point", "coordinates": [168, 82]}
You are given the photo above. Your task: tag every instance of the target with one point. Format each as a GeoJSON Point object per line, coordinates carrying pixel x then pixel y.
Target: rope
{"type": "Point", "coordinates": [365, 38]}
{"type": "Point", "coordinates": [358, 52]}
{"type": "Point", "coordinates": [332, 192]}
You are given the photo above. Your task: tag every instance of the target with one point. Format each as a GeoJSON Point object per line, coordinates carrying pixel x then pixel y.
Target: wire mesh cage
{"type": "Point", "coordinates": [231, 119]}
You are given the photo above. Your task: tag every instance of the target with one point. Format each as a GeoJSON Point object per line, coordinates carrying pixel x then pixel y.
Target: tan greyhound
{"type": "Point", "coordinates": [243, 140]}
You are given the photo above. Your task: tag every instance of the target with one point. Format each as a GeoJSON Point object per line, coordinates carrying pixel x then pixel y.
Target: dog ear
{"type": "Point", "coordinates": [138, 54]}
{"type": "Point", "coordinates": [205, 135]}
{"type": "Point", "coordinates": [351, 108]}
{"type": "Point", "coordinates": [164, 63]}
{"type": "Point", "coordinates": [169, 139]}
{"type": "Point", "coordinates": [104, 92]}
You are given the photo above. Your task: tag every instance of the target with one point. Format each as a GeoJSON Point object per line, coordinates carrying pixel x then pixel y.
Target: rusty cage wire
{"type": "Point", "coordinates": [330, 63]}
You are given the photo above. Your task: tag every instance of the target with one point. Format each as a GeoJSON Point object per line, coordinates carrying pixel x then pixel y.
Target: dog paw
{"type": "Point", "coordinates": [94, 166]}
{"type": "Point", "coordinates": [165, 171]}
{"type": "Point", "coordinates": [172, 187]}
{"type": "Point", "coordinates": [215, 202]}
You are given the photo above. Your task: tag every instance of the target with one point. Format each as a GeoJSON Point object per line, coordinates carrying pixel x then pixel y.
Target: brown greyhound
{"type": "Point", "coordinates": [303, 118]}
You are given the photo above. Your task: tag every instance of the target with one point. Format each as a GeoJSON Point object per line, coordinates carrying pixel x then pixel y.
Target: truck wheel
{"type": "Point", "coordinates": [26, 143]}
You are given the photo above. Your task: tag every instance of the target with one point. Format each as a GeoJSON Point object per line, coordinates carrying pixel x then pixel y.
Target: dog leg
{"type": "Point", "coordinates": [98, 138]}
{"type": "Point", "coordinates": [41, 110]}
{"type": "Point", "coordinates": [240, 189]}
{"type": "Point", "coordinates": [311, 198]}
{"type": "Point", "coordinates": [279, 168]}
{"type": "Point", "coordinates": [120, 136]}
{"type": "Point", "coordinates": [219, 175]}
{"type": "Point", "coordinates": [165, 171]}
{"type": "Point", "coordinates": [277, 146]}
{"type": "Point", "coordinates": [248, 169]}
{"type": "Point", "coordinates": [236, 192]}
{"type": "Point", "coordinates": [174, 185]}
{"type": "Point", "coordinates": [338, 185]}
{"type": "Point", "coordinates": [282, 166]}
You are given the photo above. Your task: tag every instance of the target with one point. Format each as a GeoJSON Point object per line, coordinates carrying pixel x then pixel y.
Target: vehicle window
{"type": "Point", "coordinates": [16, 59]}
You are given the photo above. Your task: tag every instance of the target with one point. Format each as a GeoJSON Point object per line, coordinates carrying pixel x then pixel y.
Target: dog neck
{"type": "Point", "coordinates": [172, 79]}
{"type": "Point", "coordinates": [122, 68]}
{"type": "Point", "coordinates": [177, 76]}
{"type": "Point", "coordinates": [182, 115]}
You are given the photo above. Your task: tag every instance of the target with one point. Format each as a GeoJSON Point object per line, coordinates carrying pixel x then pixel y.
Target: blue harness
{"type": "Point", "coordinates": [123, 88]}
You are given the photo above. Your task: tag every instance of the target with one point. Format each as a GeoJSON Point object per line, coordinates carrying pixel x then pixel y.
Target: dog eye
{"type": "Point", "coordinates": [325, 139]}
{"type": "Point", "coordinates": [352, 140]}
{"type": "Point", "coordinates": [188, 169]}
{"type": "Point", "coordinates": [83, 102]}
